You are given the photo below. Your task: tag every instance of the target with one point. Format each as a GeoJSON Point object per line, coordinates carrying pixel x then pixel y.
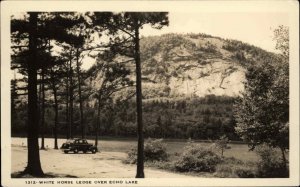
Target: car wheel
{"type": "Point", "coordinates": [93, 151]}
{"type": "Point", "coordinates": [75, 150]}
{"type": "Point", "coordinates": [84, 151]}
{"type": "Point", "coordinates": [66, 152]}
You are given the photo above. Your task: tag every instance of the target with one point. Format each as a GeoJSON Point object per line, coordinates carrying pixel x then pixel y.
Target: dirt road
{"type": "Point", "coordinates": [99, 165]}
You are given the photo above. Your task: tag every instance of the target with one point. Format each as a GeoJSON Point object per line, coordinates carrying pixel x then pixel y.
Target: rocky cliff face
{"type": "Point", "coordinates": [175, 65]}
{"type": "Point", "coordinates": [195, 65]}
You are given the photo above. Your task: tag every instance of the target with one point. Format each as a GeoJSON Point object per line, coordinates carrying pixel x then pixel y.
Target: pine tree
{"type": "Point", "coordinates": [130, 23]}
{"type": "Point", "coordinates": [34, 165]}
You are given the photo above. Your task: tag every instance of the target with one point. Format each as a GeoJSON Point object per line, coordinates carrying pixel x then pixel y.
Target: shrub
{"type": "Point", "coordinates": [246, 172]}
{"type": "Point", "coordinates": [154, 150]}
{"type": "Point", "coordinates": [221, 144]}
{"type": "Point", "coordinates": [131, 156]}
{"type": "Point", "coordinates": [208, 47]}
{"type": "Point", "coordinates": [270, 163]}
{"type": "Point", "coordinates": [232, 160]}
{"type": "Point", "coordinates": [232, 167]}
{"type": "Point", "coordinates": [224, 171]}
{"type": "Point", "coordinates": [197, 158]}
{"type": "Point", "coordinates": [165, 165]}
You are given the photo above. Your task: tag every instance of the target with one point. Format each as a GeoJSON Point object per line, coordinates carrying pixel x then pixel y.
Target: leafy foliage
{"type": "Point", "coordinates": [262, 111]}
{"type": "Point", "coordinates": [198, 159]}
{"type": "Point", "coordinates": [154, 150]}
{"type": "Point", "coordinates": [270, 163]}
{"type": "Point", "coordinates": [246, 53]}
{"type": "Point", "coordinates": [233, 168]}
{"type": "Point", "coordinates": [198, 118]}
{"type": "Point", "coordinates": [281, 36]}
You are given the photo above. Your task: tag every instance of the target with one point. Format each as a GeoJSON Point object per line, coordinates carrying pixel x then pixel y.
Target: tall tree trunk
{"type": "Point", "coordinates": [55, 118]}
{"type": "Point", "coordinates": [98, 122]}
{"type": "Point", "coordinates": [67, 105]}
{"type": "Point", "coordinates": [79, 94]}
{"type": "Point", "coordinates": [40, 100]}
{"type": "Point", "coordinates": [13, 96]}
{"type": "Point", "coordinates": [56, 110]}
{"type": "Point", "coordinates": [140, 151]}
{"type": "Point", "coordinates": [71, 100]}
{"type": "Point", "coordinates": [33, 165]}
{"type": "Point", "coordinates": [43, 109]}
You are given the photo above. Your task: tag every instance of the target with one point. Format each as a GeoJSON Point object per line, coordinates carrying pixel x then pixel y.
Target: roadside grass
{"type": "Point", "coordinates": [226, 169]}
{"type": "Point", "coordinates": [238, 161]}
{"type": "Point", "coordinates": [229, 167]}
{"type": "Point", "coordinates": [237, 150]}
{"type": "Point", "coordinates": [174, 147]}
{"type": "Point", "coordinates": [235, 168]}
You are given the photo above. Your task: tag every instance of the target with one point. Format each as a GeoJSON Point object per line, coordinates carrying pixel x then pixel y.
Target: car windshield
{"type": "Point", "coordinates": [76, 141]}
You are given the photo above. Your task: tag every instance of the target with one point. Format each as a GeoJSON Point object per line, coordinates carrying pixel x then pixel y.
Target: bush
{"type": "Point", "coordinates": [232, 168]}
{"type": "Point", "coordinates": [208, 47]}
{"type": "Point", "coordinates": [198, 159]}
{"type": "Point", "coordinates": [270, 163]}
{"type": "Point", "coordinates": [154, 150]}
{"type": "Point", "coordinates": [246, 172]}
{"type": "Point", "coordinates": [165, 165]}
{"type": "Point", "coordinates": [224, 171]}
{"type": "Point", "coordinates": [131, 156]}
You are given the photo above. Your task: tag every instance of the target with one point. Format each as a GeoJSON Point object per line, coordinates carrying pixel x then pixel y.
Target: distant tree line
{"type": "Point", "coordinates": [202, 118]}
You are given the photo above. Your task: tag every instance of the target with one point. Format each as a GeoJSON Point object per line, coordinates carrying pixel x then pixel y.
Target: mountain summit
{"type": "Point", "coordinates": [176, 65]}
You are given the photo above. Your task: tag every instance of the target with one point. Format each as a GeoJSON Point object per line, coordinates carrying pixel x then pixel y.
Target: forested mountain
{"type": "Point", "coordinates": [189, 86]}
{"type": "Point", "coordinates": [195, 65]}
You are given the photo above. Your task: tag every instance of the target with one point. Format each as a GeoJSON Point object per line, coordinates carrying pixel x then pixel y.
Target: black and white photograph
{"type": "Point", "coordinates": [146, 94]}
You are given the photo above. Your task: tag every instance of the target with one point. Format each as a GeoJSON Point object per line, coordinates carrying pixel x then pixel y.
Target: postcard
{"type": "Point", "coordinates": [150, 93]}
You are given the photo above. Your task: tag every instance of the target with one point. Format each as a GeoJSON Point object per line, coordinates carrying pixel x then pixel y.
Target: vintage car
{"type": "Point", "coordinates": [75, 145]}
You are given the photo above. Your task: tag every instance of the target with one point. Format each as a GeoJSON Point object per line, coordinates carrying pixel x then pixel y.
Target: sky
{"type": "Point", "coordinates": [255, 28]}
